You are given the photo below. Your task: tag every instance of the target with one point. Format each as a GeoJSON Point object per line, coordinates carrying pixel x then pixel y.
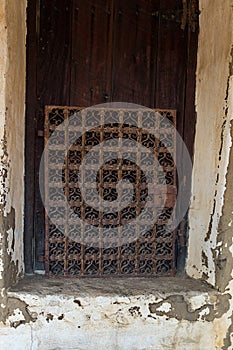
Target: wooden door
{"type": "Point", "coordinates": [86, 52]}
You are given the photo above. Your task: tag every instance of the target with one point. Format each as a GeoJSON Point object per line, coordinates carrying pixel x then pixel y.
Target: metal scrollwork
{"type": "Point", "coordinates": [150, 253]}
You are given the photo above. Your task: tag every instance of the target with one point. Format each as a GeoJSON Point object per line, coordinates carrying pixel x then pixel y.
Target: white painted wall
{"type": "Point", "coordinates": [107, 322]}
{"type": "Point", "coordinates": [208, 183]}
{"type": "Point", "coordinates": [108, 326]}
{"type": "Point", "coordinates": [3, 64]}
{"type": "Point", "coordinates": [15, 120]}
{"type": "Point", "coordinates": [12, 124]}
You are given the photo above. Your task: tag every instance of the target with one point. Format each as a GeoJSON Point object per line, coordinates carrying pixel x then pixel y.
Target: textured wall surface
{"type": "Point", "coordinates": [210, 217]}
{"type": "Point", "coordinates": [115, 314]}
{"type": "Point", "coordinates": [15, 125]}
{"type": "Point", "coordinates": [213, 141]}
{"type": "Point", "coordinates": [47, 316]}
{"type": "Point", "coordinates": [12, 113]}
{"type": "Point", "coordinates": [3, 55]}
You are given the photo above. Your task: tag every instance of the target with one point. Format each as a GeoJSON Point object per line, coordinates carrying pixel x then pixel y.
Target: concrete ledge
{"type": "Point", "coordinates": [40, 285]}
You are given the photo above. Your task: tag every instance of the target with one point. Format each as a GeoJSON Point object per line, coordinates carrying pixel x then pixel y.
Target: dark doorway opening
{"type": "Point", "coordinates": [83, 53]}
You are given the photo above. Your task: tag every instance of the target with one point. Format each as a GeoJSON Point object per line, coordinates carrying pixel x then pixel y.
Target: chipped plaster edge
{"type": "Point", "coordinates": [3, 66]}
{"type": "Point", "coordinates": [213, 140]}
{"type": "Point", "coordinates": [15, 126]}
{"type": "Point", "coordinates": [12, 110]}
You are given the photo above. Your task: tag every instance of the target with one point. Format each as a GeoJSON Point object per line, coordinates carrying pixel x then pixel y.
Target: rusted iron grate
{"type": "Point", "coordinates": [102, 246]}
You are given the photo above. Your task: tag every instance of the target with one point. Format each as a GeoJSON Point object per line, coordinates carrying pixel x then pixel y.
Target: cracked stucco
{"type": "Point", "coordinates": [181, 308]}
{"type": "Point", "coordinates": [117, 314]}
{"type": "Point", "coordinates": [12, 92]}
{"type": "Point", "coordinates": [170, 321]}
{"type": "Point", "coordinates": [211, 214]}
{"type": "Point", "coordinates": [213, 140]}
{"type": "Point", "coordinates": [224, 251]}
{"type": "Point", "coordinates": [12, 108]}
{"type": "Point", "coordinates": [3, 62]}
{"type": "Point", "coordinates": [151, 321]}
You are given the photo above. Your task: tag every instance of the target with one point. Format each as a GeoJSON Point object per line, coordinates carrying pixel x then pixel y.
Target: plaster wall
{"type": "Point", "coordinates": [12, 111]}
{"type": "Point", "coordinates": [213, 140]}
{"type": "Point", "coordinates": [102, 323]}
{"type": "Point", "coordinates": [3, 55]}
{"type": "Point", "coordinates": [179, 320]}
{"type": "Point", "coordinates": [15, 126]}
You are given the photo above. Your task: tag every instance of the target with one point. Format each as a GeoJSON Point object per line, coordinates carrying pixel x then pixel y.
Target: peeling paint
{"type": "Point", "coordinates": [4, 170]}
{"type": "Point", "coordinates": [212, 141]}
{"type": "Point", "coordinates": [227, 344]}
{"type": "Point", "coordinates": [17, 312]}
{"type": "Point", "coordinates": [12, 107]}
{"type": "Point", "coordinates": [170, 320]}
{"type": "Point", "coordinates": [180, 309]}
{"type": "Point", "coordinates": [120, 319]}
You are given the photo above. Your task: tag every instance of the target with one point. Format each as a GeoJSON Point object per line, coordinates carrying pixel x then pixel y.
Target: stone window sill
{"type": "Point", "coordinates": [127, 287]}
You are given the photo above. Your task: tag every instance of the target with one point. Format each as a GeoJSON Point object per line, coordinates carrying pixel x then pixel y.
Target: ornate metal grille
{"type": "Point", "coordinates": [148, 251]}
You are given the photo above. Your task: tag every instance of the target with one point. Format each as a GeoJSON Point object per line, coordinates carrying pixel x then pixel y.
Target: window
{"type": "Point", "coordinates": [94, 227]}
{"type": "Point", "coordinates": [87, 53]}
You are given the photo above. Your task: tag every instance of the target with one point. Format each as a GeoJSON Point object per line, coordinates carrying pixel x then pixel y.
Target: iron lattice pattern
{"type": "Point", "coordinates": [72, 250]}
